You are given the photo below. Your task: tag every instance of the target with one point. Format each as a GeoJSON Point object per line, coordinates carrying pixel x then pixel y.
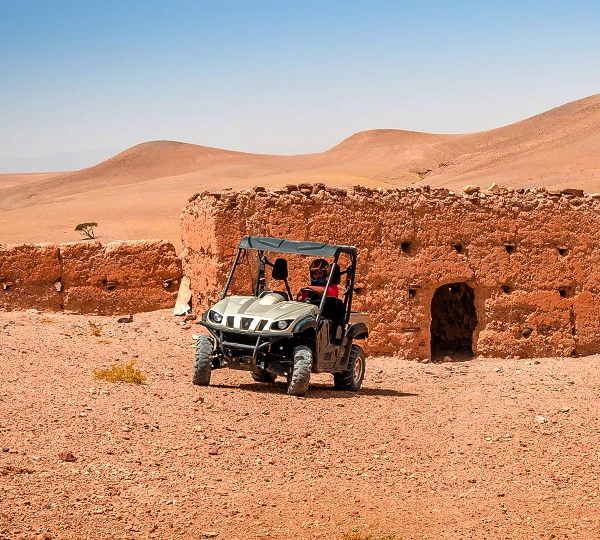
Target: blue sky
{"type": "Point", "coordinates": [82, 80]}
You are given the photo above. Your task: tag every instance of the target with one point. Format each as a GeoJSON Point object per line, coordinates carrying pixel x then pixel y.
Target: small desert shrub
{"type": "Point", "coordinates": [87, 229]}
{"type": "Point", "coordinates": [116, 373]}
{"type": "Point", "coordinates": [96, 329]}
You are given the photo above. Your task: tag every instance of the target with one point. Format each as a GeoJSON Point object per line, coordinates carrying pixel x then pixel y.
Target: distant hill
{"type": "Point", "coordinates": [139, 193]}
{"type": "Point", "coordinates": [559, 146]}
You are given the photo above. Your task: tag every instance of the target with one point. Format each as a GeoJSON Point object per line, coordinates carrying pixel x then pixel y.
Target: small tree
{"type": "Point", "coordinates": [87, 229]}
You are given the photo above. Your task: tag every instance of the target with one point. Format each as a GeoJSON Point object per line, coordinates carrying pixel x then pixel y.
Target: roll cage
{"type": "Point", "coordinates": [262, 244]}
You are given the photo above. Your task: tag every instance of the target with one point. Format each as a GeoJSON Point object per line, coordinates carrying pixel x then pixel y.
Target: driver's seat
{"type": "Point", "coordinates": [280, 273]}
{"type": "Point", "coordinates": [334, 308]}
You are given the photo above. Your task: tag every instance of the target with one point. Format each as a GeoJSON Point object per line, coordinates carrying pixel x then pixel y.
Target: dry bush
{"type": "Point", "coordinates": [355, 535]}
{"type": "Point", "coordinates": [116, 373]}
{"type": "Point", "coordinates": [95, 328]}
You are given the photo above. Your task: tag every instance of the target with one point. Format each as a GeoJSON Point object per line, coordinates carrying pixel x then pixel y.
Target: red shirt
{"type": "Point", "coordinates": [333, 290]}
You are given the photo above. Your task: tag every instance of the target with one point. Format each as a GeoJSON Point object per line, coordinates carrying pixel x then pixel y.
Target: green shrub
{"type": "Point", "coordinates": [87, 229]}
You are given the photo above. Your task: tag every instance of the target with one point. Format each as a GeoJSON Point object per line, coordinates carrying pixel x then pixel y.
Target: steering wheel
{"type": "Point", "coordinates": [312, 297]}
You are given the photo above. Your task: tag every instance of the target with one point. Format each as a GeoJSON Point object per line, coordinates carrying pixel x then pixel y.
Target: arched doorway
{"type": "Point", "coordinates": [453, 319]}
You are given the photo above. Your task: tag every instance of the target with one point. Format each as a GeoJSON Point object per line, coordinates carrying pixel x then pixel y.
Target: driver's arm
{"type": "Point", "coordinates": [314, 288]}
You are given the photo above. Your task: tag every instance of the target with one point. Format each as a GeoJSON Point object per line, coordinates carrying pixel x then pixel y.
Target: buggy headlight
{"type": "Point", "coordinates": [281, 325]}
{"type": "Point", "coordinates": [215, 317]}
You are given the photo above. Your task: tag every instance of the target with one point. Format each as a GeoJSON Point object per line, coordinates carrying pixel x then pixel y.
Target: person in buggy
{"type": "Point", "coordinates": [319, 272]}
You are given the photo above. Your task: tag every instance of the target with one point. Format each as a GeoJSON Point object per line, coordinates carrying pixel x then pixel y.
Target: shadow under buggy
{"type": "Point", "coordinates": [270, 334]}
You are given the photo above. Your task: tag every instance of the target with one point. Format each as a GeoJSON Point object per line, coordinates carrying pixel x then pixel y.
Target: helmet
{"type": "Point", "coordinates": [319, 264]}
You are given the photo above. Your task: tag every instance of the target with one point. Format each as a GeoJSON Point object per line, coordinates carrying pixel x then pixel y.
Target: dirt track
{"type": "Point", "coordinates": [475, 449]}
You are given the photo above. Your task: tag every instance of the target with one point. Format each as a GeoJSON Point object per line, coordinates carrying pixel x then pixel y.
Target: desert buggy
{"type": "Point", "coordinates": [269, 334]}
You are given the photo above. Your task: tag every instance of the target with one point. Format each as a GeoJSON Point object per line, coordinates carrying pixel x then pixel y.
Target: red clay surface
{"type": "Point", "coordinates": [481, 448]}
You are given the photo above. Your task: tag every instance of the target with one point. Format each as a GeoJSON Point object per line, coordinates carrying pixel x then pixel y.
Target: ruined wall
{"type": "Point", "coordinates": [88, 277]}
{"type": "Point", "coordinates": [530, 256]}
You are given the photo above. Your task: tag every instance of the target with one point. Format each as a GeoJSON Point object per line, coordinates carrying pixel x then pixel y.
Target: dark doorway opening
{"type": "Point", "coordinates": [453, 320]}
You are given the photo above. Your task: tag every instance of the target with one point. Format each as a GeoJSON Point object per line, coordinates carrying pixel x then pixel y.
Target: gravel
{"type": "Point", "coordinates": [484, 448]}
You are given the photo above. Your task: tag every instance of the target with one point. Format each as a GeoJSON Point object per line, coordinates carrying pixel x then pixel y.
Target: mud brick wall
{"type": "Point", "coordinates": [519, 269]}
{"type": "Point", "coordinates": [88, 277]}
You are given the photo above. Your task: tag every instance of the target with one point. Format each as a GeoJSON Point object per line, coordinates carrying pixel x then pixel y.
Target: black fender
{"type": "Point", "coordinates": [358, 331]}
{"type": "Point", "coordinates": [305, 324]}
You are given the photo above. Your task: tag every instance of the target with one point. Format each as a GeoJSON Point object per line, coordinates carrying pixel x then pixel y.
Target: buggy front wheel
{"type": "Point", "coordinates": [203, 361]}
{"type": "Point", "coordinates": [299, 377]}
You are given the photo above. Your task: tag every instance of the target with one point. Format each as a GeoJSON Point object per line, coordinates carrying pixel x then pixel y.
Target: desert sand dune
{"type": "Point", "coordinates": [140, 192]}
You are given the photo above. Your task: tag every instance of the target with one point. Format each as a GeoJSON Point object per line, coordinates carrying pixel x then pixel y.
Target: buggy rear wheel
{"type": "Point", "coordinates": [352, 378]}
{"type": "Point", "coordinates": [263, 376]}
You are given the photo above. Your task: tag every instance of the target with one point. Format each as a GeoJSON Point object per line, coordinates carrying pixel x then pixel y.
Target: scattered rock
{"type": "Point", "coordinates": [126, 319]}
{"type": "Point", "coordinates": [470, 189]}
{"type": "Point", "coordinates": [213, 451]}
{"type": "Point", "coordinates": [572, 191]}
{"type": "Point", "coordinates": [67, 456]}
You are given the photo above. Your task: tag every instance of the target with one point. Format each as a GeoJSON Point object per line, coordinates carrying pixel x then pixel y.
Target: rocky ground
{"type": "Point", "coordinates": [485, 448]}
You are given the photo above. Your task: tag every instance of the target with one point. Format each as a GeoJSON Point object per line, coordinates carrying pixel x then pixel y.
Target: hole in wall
{"type": "Point", "coordinates": [566, 292]}
{"type": "Point", "coordinates": [510, 248]}
{"type": "Point", "coordinates": [506, 289]}
{"type": "Point", "coordinates": [562, 251]}
{"type": "Point", "coordinates": [453, 319]}
{"type": "Point", "coordinates": [412, 292]}
{"type": "Point", "coordinates": [406, 247]}
{"type": "Point", "coordinates": [458, 248]}
{"type": "Point", "coordinates": [526, 332]}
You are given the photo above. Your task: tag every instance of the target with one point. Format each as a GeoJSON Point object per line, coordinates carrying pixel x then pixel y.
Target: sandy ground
{"type": "Point", "coordinates": [484, 448]}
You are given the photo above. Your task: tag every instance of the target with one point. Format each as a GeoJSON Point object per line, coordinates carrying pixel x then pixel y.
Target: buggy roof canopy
{"type": "Point", "coordinates": [279, 245]}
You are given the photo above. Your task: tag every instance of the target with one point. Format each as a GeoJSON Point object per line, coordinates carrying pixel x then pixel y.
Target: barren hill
{"type": "Point", "coordinates": [140, 192]}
